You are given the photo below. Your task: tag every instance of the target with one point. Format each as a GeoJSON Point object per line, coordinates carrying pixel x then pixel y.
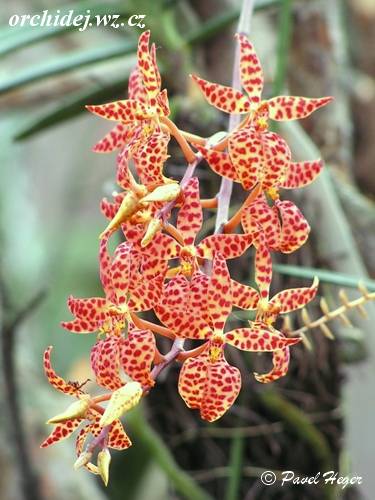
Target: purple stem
{"type": "Point", "coordinates": [177, 347]}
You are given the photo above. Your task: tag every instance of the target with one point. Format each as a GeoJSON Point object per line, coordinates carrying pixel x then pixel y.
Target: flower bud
{"type": "Point", "coordinates": [154, 226]}
{"type": "Point", "coordinates": [75, 410]}
{"type": "Point", "coordinates": [167, 192]}
{"type": "Point", "coordinates": [104, 459]}
{"type": "Point", "coordinates": [122, 400]}
{"type": "Point", "coordinates": [128, 207]}
{"type": "Point", "coordinates": [82, 460]}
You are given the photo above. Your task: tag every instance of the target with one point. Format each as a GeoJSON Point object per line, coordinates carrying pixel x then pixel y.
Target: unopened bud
{"type": "Point", "coordinates": [82, 460]}
{"type": "Point", "coordinates": [75, 410]}
{"type": "Point", "coordinates": [104, 459]}
{"type": "Point", "coordinates": [154, 227]}
{"type": "Point", "coordinates": [128, 207]}
{"type": "Point", "coordinates": [167, 192]}
{"type": "Point", "coordinates": [122, 400]}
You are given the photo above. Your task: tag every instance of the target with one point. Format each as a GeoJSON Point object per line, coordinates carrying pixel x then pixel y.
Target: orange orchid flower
{"type": "Point", "coordinates": [207, 381]}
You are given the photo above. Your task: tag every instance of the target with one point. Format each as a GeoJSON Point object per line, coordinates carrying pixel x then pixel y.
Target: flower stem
{"type": "Point", "coordinates": [226, 186]}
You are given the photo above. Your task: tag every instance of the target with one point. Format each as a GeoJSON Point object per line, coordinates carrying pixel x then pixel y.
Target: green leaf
{"type": "Point", "coordinates": [14, 38]}
{"type": "Point", "coordinates": [67, 63]}
{"type": "Point", "coordinates": [324, 276]}
{"type": "Point", "coordinates": [72, 107]}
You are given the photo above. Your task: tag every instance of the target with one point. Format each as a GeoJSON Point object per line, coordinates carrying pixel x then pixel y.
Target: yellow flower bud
{"type": "Point", "coordinates": [75, 410]}
{"type": "Point", "coordinates": [154, 226]}
{"type": "Point", "coordinates": [168, 192]}
{"type": "Point", "coordinates": [104, 459]}
{"type": "Point", "coordinates": [128, 207]}
{"type": "Point", "coordinates": [82, 460]}
{"type": "Point", "coordinates": [122, 400]}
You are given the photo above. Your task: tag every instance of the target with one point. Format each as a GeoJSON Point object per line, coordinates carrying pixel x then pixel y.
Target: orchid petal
{"type": "Point", "coordinates": [280, 361]}
{"type": "Point", "coordinates": [190, 217]}
{"type": "Point", "coordinates": [260, 337]}
{"type": "Point", "coordinates": [224, 98]}
{"type": "Point", "coordinates": [300, 174]}
{"type": "Point", "coordinates": [295, 298]}
{"type": "Point", "coordinates": [251, 70]}
{"type": "Point", "coordinates": [55, 380]}
{"type": "Point", "coordinates": [285, 108]}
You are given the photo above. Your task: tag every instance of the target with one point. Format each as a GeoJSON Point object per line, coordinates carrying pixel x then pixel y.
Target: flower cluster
{"type": "Point", "coordinates": [165, 267]}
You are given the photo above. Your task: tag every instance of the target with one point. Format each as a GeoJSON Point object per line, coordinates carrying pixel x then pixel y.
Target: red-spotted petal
{"type": "Point", "coordinates": [230, 246]}
{"type": "Point", "coordinates": [136, 355]}
{"type": "Point", "coordinates": [224, 98]}
{"type": "Point", "coordinates": [243, 296]}
{"type": "Point", "coordinates": [222, 387]}
{"type": "Point", "coordinates": [192, 380]}
{"type": "Point", "coordinates": [219, 162]}
{"type": "Point", "coordinates": [263, 267]}
{"type": "Point", "coordinates": [55, 380]}
{"type": "Point", "coordinates": [115, 139]}
{"type": "Point", "coordinates": [260, 215]}
{"type": "Point", "coordinates": [276, 157]}
{"type": "Point", "coordinates": [135, 87]}
{"type": "Point", "coordinates": [162, 103]}
{"type": "Point", "coordinates": [120, 271]}
{"type": "Point", "coordinates": [251, 70]}
{"type": "Point", "coordinates": [190, 217]}
{"type": "Point", "coordinates": [211, 387]}
{"type": "Point", "coordinates": [295, 298]}
{"type": "Point", "coordinates": [259, 338]}
{"type": "Point", "coordinates": [147, 66]}
{"type": "Point", "coordinates": [300, 174]}
{"type": "Point", "coordinates": [280, 361]}
{"type": "Point", "coordinates": [120, 111]}
{"type": "Point", "coordinates": [91, 309]}
{"type": "Point", "coordinates": [294, 227]}
{"type": "Point", "coordinates": [146, 295]}
{"type": "Point", "coordinates": [80, 326]}
{"type": "Point", "coordinates": [105, 363]}
{"type": "Point", "coordinates": [246, 152]}
{"type": "Point", "coordinates": [219, 294]}
{"type": "Point", "coordinates": [61, 431]}
{"type": "Point", "coordinates": [283, 108]}
{"type": "Point", "coordinates": [117, 437]}
{"type": "Point", "coordinates": [149, 159]}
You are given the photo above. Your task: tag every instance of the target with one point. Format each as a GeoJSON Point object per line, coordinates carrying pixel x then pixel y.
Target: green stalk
{"type": "Point", "coordinates": [156, 448]}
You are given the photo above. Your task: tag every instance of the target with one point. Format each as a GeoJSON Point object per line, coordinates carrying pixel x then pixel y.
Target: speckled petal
{"type": "Point", "coordinates": [246, 153]}
{"type": "Point", "coordinates": [284, 108]}
{"type": "Point", "coordinates": [243, 296]}
{"type": "Point", "coordinates": [136, 355]}
{"type": "Point", "coordinates": [259, 338]}
{"type": "Point", "coordinates": [251, 70]}
{"type": "Point", "coordinates": [116, 138]}
{"type": "Point", "coordinates": [294, 227]}
{"type": "Point", "coordinates": [222, 387]}
{"type": "Point", "coordinates": [61, 431]}
{"type": "Point", "coordinates": [300, 174]}
{"type": "Point", "coordinates": [105, 363]}
{"type": "Point", "coordinates": [224, 98]}
{"type": "Point", "coordinates": [295, 298]}
{"type": "Point", "coordinates": [55, 380]}
{"type": "Point", "coordinates": [126, 111]}
{"type": "Point", "coordinates": [230, 246]}
{"type": "Point", "coordinates": [263, 268]}
{"type": "Point", "coordinates": [219, 162]}
{"type": "Point", "coordinates": [147, 66]}
{"type": "Point", "coordinates": [149, 159]}
{"type": "Point", "coordinates": [280, 361]}
{"type": "Point", "coordinates": [219, 294]}
{"type": "Point", "coordinates": [190, 217]}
